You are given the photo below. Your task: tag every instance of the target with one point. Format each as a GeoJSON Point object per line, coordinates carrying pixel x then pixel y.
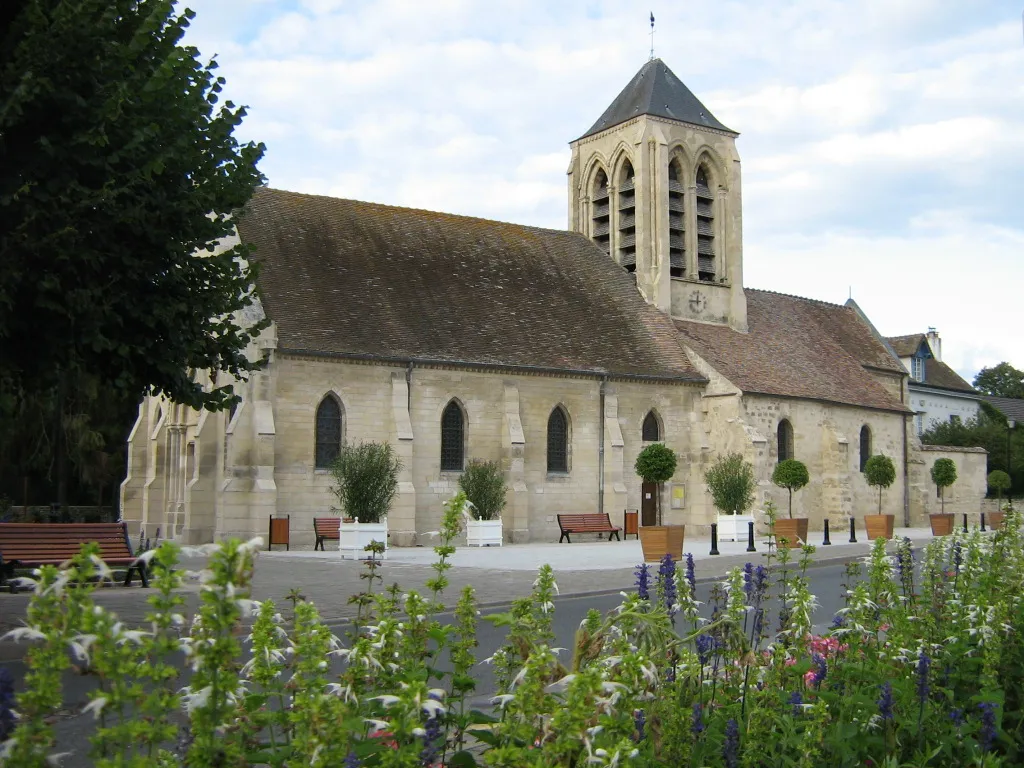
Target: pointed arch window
{"type": "Point", "coordinates": [601, 212]}
{"type": "Point", "coordinates": [676, 219]}
{"type": "Point", "coordinates": [627, 218]}
{"type": "Point", "coordinates": [707, 267]}
{"type": "Point", "coordinates": [785, 438]}
{"type": "Point", "coordinates": [865, 446]}
{"type": "Point", "coordinates": [328, 432]}
{"type": "Point", "coordinates": [558, 441]}
{"type": "Point", "coordinates": [453, 430]}
{"type": "Point", "coordinates": [651, 430]}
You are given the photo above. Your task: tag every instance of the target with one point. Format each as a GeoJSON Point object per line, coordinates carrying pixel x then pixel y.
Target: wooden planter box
{"type": "Point", "coordinates": [879, 526]}
{"type": "Point", "coordinates": [995, 520]}
{"type": "Point", "coordinates": [793, 530]}
{"type": "Point", "coordinates": [659, 540]}
{"type": "Point", "coordinates": [354, 537]}
{"type": "Point", "coordinates": [942, 525]}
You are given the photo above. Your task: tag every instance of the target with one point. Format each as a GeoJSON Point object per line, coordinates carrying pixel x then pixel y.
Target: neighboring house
{"type": "Point", "coordinates": [559, 354]}
{"type": "Point", "coordinates": [937, 392]}
{"type": "Point", "coordinates": [1011, 407]}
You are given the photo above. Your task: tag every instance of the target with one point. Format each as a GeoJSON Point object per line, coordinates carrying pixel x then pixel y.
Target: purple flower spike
{"type": "Point", "coordinates": [987, 734]}
{"type": "Point", "coordinates": [705, 645]}
{"type": "Point", "coordinates": [690, 573]}
{"type": "Point", "coordinates": [667, 574]}
{"type": "Point", "coordinates": [639, 722]}
{"type": "Point", "coordinates": [748, 582]}
{"type": "Point", "coordinates": [731, 745]}
{"type": "Point", "coordinates": [885, 701]}
{"type": "Point", "coordinates": [797, 702]}
{"type": "Point", "coordinates": [697, 720]}
{"type": "Point", "coordinates": [923, 665]}
{"type": "Point", "coordinates": [643, 581]}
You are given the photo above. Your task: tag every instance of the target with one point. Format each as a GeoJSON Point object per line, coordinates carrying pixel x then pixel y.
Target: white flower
{"type": "Point", "coordinates": [132, 635]}
{"type": "Point", "coordinates": [254, 544]}
{"type": "Point", "coordinates": [95, 706]}
{"type": "Point", "coordinates": [376, 726]}
{"type": "Point", "coordinates": [502, 699]}
{"type": "Point", "coordinates": [145, 557]}
{"type": "Point", "coordinates": [433, 708]}
{"type": "Point", "coordinates": [194, 700]}
{"type": "Point", "coordinates": [80, 646]}
{"type": "Point", "coordinates": [23, 633]}
{"type": "Point", "coordinates": [386, 699]}
{"type": "Point", "coordinates": [56, 758]}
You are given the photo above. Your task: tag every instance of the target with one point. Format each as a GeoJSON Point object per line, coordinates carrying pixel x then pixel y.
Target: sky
{"type": "Point", "coordinates": [882, 141]}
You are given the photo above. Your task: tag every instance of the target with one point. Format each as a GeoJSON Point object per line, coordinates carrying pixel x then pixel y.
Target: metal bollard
{"type": "Point", "coordinates": [714, 539]}
{"type": "Point", "coordinates": [853, 531]}
{"type": "Point", "coordinates": [982, 522]}
{"type": "Point", "coordinates": [827, 542]}
{"type": "Point", "coordinates": [750, 537]}
{"type": "Point", "coordinates": [965, 522]}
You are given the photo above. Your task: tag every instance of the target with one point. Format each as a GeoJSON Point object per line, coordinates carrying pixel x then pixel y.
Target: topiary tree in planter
{"type": "Point", "coordinates": [483, 482]}
{"type": "Point", "coordinates": [792, 475]}
{"type": "Point", "coordinates": [731, 483]}
{"type": "Point", "coordinates": [656, 464]}
{"type": "Point", "coordinates": [880, 473]}
{"type": "Point", "coordinates": [366, 480]}
{"type": "Point", "coordinates": [999, 481]}
{"type": "Point", "coordinates": [943, 475]}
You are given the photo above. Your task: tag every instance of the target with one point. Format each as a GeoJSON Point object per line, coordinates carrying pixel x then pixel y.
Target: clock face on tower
{"type": "Point", "coordinates": [698, 303]}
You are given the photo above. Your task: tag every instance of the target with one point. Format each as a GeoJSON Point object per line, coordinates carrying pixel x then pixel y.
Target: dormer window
{"type": "Point", "coordinates": [917, 368]}
{"type": "Point", "coordinates": [627, 218]}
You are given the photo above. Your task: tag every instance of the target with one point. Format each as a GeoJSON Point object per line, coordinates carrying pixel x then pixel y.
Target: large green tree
{"type": "Point", "coordinates": [989, 430]}
{"type": "Point", "coordinates": [1001, 380]}
{"type": "Point", "coordinates": [118, 162]}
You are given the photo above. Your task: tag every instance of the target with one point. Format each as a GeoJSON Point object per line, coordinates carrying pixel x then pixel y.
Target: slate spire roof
{"type": "Point", "coordinates": [655, 90]}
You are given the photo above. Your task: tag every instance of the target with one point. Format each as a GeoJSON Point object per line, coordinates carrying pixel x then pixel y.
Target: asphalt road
{"type": "Point", "coordinates": [73, 729]}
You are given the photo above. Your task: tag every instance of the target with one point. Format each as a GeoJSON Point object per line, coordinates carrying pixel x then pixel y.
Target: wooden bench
{"type": "Point", "coordinates": [598, 522]}
{"type": "Point", "coordinates": [326, 528]}
{"type": "Point", "coordinates": [30, 545]}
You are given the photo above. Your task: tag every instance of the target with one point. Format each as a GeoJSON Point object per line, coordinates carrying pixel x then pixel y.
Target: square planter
{"type": "Point", "coordinates": [879, 526]}
{"type": "Point", "coordinates": [353, 538]}
{"type": "Point", "coordinates": [942, 525]}
{"type": "Point", "coordinates": [659, 540]}
{"type": "Point", "coordinates": [995, 520]}
{"type": "Point", "coordinates": [793, 530]}
{"type": "Point", "coordinates": [733, 527]}
{"type": "Point", "coordinates": [483, 533]}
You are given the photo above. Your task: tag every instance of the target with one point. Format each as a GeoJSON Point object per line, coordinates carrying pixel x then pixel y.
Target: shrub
{"type": "Point", "coordinates": [656, 464]}
{"type": "Point", "coordinates": [943, 475]}
{"type": "Point", "coordinates": [880, 473]}
{"type": "Point", "coordinates": [366, 480]}
{"type": "Point", "coordinates": [483, 482]}
{"type": "Point", "coordinates": [792, 475]}
{"type": "Point", "coordinates": [731, 483]}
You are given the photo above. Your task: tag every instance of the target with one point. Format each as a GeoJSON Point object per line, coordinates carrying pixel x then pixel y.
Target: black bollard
{"type": "Point", "coordinates": [853, 531]}
{"type": "Point", "coordinates": [714, 539]}
{"type": "Point", "coordinates": [965, 522]}
{"type": "Point", "coordinates": [827, 542]}
{"type": "Point", "coordinates": [750, 537]}
{"type": "Point", "coordinates": [982, 522]}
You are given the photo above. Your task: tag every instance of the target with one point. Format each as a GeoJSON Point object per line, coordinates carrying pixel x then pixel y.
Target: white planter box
{"type": "Point", "coordinates": [733, 527]}
{"type": "Point", "coordinates": [483, 533]}
{"type": "Point", "coordinates": [353, 539]}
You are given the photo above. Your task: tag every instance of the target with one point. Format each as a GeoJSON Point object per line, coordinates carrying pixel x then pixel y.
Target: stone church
{"type": "Point", "coordinates": [559, 354]}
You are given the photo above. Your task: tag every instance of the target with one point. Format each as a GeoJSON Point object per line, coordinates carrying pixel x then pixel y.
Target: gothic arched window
{"type": "Point", "coordinates": [785, 440]}
{"type": "Point", "coordinates": [627, 218]}
{"type": "Point", "coordinates": [328, 432]}
{"type": "Point", "coordinates": [453, 452]}
{"type": "Point", "coordinates": [676, 219]}
{"type": "Point", "coordinates": [651, 430]}
{"type": "Point", "coordinates": [865, 446]}
{"type": "Point", "coordinates": [706, 266]}
{"type": "Point", "coordinates": [600, 211]}
{"type": "Point", "coordinates": [558, 441]}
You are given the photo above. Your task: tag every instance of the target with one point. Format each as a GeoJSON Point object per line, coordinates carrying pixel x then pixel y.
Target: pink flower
{"type": "Point", "coordinates": [809, 678]}
{"type": "Point", "coordinates": [883, 628]}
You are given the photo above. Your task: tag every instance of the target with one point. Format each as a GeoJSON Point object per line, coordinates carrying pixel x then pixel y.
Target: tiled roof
{"type": "Point", "coordinates": [906, 346]}
{"type": "Point", "coordinates": [341, 276]}
{"type": "Point", "coordinates": [938, 374]}
{"type": "Point", "coordinates": [798, 347]}
{"type": "Point", "coordinates": [1010, 407]}
{"type": "Point", "coordinates": [655, 90]}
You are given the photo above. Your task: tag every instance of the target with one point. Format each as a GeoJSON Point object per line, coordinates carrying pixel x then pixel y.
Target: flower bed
{"type": "Point", "coordinates": [923, 666]}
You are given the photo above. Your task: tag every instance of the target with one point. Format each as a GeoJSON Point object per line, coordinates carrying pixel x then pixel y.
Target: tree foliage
{"type": "Point", "coordinates": [989, 431]}
{"type": "Point", "coordinates": [366, 480]}
{"type": "Point", "coordinates": [656, 464]}
{"type": "Point", "coordinates": [1002, 380]}
{"type": "Point", "coordinates": [119, 163]}
{"type": "Point", "coordinates": [880, 473]}
{"type": "Point", "coordinates": [731, 483]}
{"type": "Point", "coordinates": [998, 481]}
{"type": "Point", "coordinates": [943, 475]}
{"type": "Point", "coordinates": [483, 482]}
{"type": "Point", "coordinates": [792, 475]}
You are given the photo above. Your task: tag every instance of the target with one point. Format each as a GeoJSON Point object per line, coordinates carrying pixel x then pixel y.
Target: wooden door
{"type": "Point", "coordinates": [648, 504]}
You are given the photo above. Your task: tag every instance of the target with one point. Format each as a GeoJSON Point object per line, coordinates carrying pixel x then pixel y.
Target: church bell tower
{"type": "Point", "coordinates": [655, 183]}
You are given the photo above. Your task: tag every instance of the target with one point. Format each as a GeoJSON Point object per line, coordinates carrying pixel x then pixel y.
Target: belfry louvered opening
{"type": "Point", "coordinates": [706, 266]}
{"type": "Point", "coordinates": [676, 220]}
{"type": "Point", "coordinates": [627, 219]}
{"type": "Point", "coordinates": [601, 213]}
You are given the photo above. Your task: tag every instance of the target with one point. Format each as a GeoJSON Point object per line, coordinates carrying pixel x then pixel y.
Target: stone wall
{"type": "Point", "coordinates": [964, 496]}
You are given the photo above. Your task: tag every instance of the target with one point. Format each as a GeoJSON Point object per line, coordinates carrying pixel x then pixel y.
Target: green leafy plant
{"type": "Point", "coordinates": [366, 480]}
{"type": "Point", "coordinates": [943, 475]}
{"type": "Point", "coordinates": [483, 482]}
{"type": "Point", "coordinates": [998, 481]}
{"type": "Point", "coordinates": [792, 475]}
{"type": "Point", "coordinates": [880, 473]}
{"type": "Point", "coordinates": [656, 464]}
{"type": "Point", "coordinates": [731, 483]}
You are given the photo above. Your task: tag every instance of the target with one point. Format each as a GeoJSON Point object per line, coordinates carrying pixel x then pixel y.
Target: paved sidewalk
{"type": "Point", "coordinates": [498, 574]}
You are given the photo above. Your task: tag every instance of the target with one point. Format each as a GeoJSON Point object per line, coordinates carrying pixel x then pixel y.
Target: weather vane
{"type": "Point", "coordinates": [652, 35]}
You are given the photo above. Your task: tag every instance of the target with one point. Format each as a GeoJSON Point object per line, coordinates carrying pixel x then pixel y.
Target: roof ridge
{"type": "Point", "coordinates": [427, 211]}
{"type": "Point", "coordinates": [808, 299]}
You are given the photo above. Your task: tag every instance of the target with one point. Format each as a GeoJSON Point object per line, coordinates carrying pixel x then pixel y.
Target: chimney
{"type": "Point", "coordinates": [935, 343]}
